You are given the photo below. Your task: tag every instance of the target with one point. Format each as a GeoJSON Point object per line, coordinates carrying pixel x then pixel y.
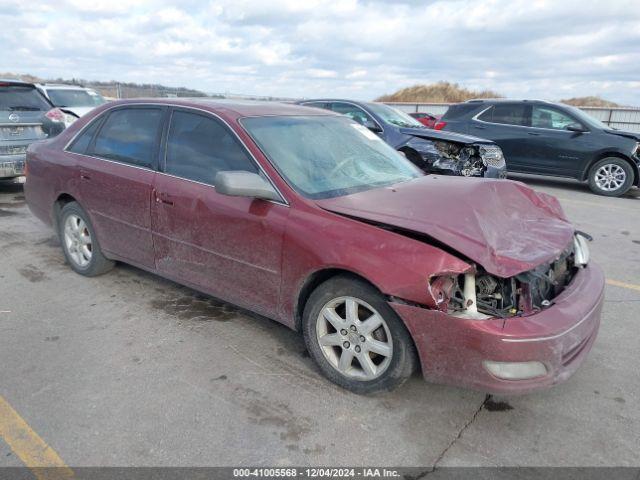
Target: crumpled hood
{"type": "Point", "coordinates": [431, 134]}
{"type": "Point", "coordinates": [504, 226]}
{"type": "Point", "coordinates": [623, 133]}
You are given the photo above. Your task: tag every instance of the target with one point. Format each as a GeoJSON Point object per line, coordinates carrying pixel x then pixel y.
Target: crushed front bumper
{"type": "Point", "coordinates": [452, 350]}
{"type": "Point", "coordinates": [12, 165]}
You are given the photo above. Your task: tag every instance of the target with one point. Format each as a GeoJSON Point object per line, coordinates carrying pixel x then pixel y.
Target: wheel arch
{"type": "Point", "coordinates": [58, 205]}
{"type": "Point", "coordinates": [634, 167]}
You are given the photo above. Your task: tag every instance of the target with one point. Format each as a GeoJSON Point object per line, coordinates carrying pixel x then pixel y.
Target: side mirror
{"type": "Point", "coordinates": [372, 126]}
{"type": "Point", "coordinates": [245, 184]}
{"type": "Point", "coordinates": [576, 127]}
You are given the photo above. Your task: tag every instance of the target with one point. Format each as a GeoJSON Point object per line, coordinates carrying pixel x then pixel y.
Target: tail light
{"type": "Point", "coordinates": [439, 125]}
{"type": "Point", "coordinates": [58, 116]}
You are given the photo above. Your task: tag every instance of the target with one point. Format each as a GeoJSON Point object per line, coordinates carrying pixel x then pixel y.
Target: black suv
{"type": "Point", "coordinates": [553, 139]}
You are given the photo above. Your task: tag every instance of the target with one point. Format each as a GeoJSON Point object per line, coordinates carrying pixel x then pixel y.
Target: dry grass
{"type": "Point", "coordinates": [441, 92]}
{"type": "Point", "coordinates": [589, 102]}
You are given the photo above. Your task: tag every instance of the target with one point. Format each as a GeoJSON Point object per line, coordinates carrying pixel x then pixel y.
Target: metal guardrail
{"type": "Point", "coordinates": [622, 118]}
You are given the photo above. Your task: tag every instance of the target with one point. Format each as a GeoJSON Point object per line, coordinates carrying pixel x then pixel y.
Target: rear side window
{"type": "Point", "coordinates": [81, 143]}
{"type": "Point", "coordinates": [16, 98]}
{"type": "Point", "coordinates": [507, 114]}
{"type": "Point", "coordinates": [459, 110]}
{"type": "Point", "coordinates": [198, 147]}
{"type": "Point", "coordinates": [130, 136]}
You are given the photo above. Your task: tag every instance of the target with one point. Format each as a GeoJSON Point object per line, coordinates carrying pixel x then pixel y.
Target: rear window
{"type": "Point", "coordinates": [22, 98]}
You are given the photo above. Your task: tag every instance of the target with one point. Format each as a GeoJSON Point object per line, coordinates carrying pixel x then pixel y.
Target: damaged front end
{"type": "Point", "coordinates": [452, 158]}
{"type": "Point", "coordinates": [480, 295]}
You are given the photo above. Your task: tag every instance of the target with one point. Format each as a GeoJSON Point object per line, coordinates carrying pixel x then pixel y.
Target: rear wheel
{"type": "Point", "coordinates": [79, 242]}
{"type": "Point", "coordinates": [610, 176]}
{"type": "Point", "coordinates": [356, 338]}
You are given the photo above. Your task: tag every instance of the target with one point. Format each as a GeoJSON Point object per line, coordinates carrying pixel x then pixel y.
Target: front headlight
{"type": "Point", "coordinates": [580, 250]}
{"type": "Point", "coordinates": [492, 155]}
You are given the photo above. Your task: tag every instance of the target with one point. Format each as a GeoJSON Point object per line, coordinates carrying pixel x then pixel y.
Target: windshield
{"type": "Point", "coordinates": [393, 116]}
{"type": "Point", "coordinates": [74, 98]}
{"type": "Point", "coordinates": [19, 98]}
{"type": "Point", "coordinates": [328, 156]}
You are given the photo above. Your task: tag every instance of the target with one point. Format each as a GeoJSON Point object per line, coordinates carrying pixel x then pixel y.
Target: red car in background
{"type": "Point", "coordinates": [429, 120]}
{"type": "Point", "coordinates": [306, 217]}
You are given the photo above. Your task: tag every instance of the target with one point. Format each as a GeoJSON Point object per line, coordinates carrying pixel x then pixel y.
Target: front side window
{"type": "Point", "coordinates": [506, 114]}
{"type": "Point", "coordinates": [328, 156]}
{"type": "Point", "coordinates": [353, 112]}
{"type": "Point", "coordinates": [546, 117]}
{"type": "Point", "coordinates": [198, 147]}
{"type": "Point", "coordinates": [129, 135]}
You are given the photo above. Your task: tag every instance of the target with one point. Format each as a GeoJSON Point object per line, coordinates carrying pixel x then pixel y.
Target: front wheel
{"type": "Point", "coordinates": [79, 242]}
{"type": "Point", "coordinates": [356, 338]}
{"type": "Point", "coordinates": [611, 177]}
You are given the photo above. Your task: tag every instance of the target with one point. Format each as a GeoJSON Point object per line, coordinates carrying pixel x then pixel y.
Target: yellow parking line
{"type": "Point", "coordinates": [39, 457]}
{"type": "Point", "coordinates": [630, 286]}
{"type": "Point", "coordinates": [598, 205]}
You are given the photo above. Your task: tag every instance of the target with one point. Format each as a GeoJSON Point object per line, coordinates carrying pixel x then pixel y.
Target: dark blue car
{"type": "Point", "coordinates": [433, 151]}
{"type": "Point", "coordinates": [547, 138]}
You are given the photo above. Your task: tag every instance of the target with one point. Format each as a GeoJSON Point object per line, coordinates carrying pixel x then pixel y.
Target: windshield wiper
{"type": "Point", "coordinates": [24, 108]}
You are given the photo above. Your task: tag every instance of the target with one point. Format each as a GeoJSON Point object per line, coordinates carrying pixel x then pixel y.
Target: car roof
{"type": "Point", "coordinates": [346, 100]}
{"type": "Point", "coordinates": [11, 81]}
{"type": "Point", "coordinates": [62, 86]}
{"type": "Point", "coordinates": [506, 100]}
{"type": "Point", "coordinates": [231, 108]}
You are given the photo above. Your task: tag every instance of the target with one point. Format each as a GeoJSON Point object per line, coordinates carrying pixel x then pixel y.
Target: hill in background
{"type": "Point", "coordinates": [441, 92]}
{"type": "Point", "coordinates": [445, 92]}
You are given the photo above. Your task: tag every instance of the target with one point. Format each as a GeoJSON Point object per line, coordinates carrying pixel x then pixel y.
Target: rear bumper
{"type": "Point", "coordinates": [452, 350]}
{"type": "Point", "coordinates": [12, 165]}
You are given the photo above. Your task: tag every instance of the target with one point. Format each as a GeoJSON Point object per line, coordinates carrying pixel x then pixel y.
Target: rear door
{"type": "Point", "coordinates": [506, 124]}
{"type": "Point", "coordinates": [116, 176]}
{"type": "Point", "coordinates": [228, 246]}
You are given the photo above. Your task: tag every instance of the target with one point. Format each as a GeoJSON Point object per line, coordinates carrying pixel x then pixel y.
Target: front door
{"type": "Point", "coordinates": [116, 176]}
{"type": "Point", "coordinates": [228, 246]}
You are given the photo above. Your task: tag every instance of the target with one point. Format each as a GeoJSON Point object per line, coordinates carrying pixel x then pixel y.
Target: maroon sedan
{"type": "Point", "coordinates": [306, 217]}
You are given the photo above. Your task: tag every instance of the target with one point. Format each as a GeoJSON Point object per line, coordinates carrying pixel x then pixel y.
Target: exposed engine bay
{"type": "Point", "coordinates": [451, 158]}
{"type": "Point", "coordinates": [481, 295]}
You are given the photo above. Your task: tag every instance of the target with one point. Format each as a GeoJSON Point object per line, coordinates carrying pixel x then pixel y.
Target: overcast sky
{"type": "Point", "coordinates": [347, 48]}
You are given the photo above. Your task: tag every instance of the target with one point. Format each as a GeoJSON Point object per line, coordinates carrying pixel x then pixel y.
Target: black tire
{"type": "Point", "coordinates": [615, 163]}
{"type": "Point", "coordinates": [403, 359]}
{"type": "Point", "coordinates": [98, 263]}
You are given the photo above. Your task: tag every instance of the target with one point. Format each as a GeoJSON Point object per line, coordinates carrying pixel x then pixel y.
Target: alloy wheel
{"type": "Point", "coordinates": [610, 177]}
{"type": "Point", "coordinates": [77, 240]}
{"type": "Point", "coordinates": [354, 338]}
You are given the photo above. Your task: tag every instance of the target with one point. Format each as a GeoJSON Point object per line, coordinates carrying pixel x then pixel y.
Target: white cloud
{"type": "Point", "coordinates": [544, 49]}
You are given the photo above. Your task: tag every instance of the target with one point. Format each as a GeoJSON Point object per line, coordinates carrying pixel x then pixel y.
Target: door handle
{"type": "Point", "coordinates": [534, 134]}
{"type": "Point", "coordinates": [165, 198]}
{"type": "Point", "coordinates": [84, 175]}
{"type": "Point", "coordinates": [480, 127]}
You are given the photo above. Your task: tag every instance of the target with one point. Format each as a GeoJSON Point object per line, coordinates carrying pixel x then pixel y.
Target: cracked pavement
{"type": "Point", "coordinates": [130, 369]}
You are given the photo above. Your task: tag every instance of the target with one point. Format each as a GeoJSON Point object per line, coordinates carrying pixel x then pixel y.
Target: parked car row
{"type": "Point", "coordinates": [432, 151]}
{"type": "Point", "coordinates": [308, 217]}
{"type": "Point", "coordinates": [30, 112]}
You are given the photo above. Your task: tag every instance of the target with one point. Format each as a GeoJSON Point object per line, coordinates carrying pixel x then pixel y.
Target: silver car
{"type": "Point", "coordinates": [25, 117]}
